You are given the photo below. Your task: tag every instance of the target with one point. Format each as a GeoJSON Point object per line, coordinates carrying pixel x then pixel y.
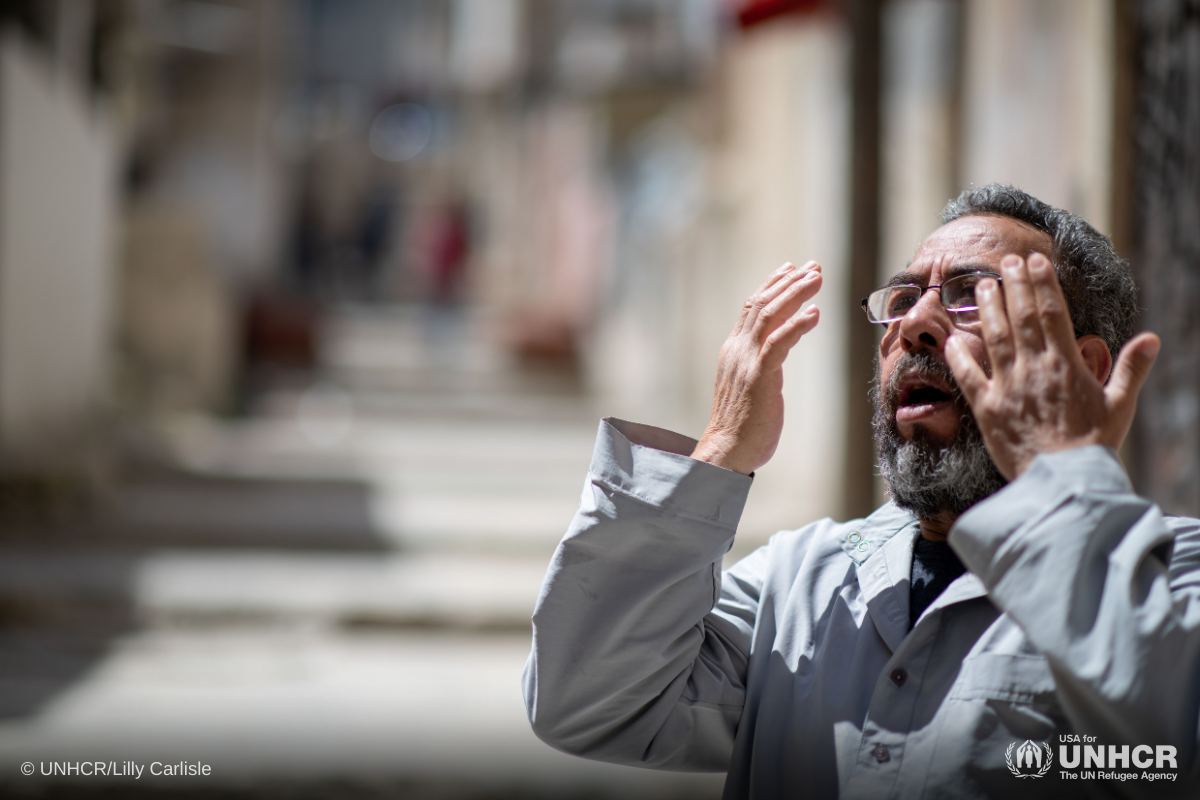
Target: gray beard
{"type": "Point", "coordinates": [929, 478]}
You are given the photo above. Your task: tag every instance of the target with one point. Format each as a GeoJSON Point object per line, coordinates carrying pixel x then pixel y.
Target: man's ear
{"type": "Point", "coordinates": [1096, 356]}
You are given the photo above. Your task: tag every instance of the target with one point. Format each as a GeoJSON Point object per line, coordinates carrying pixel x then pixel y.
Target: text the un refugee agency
{"type": "Point", "coordinates": [1082, 757]}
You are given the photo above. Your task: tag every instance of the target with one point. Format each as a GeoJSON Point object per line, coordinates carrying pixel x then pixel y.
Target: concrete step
{"type": "Point", "coordinates": [472, 487]}
{"type": "Point", "coordinates": [508, 454]}
{"type": "Point", "coordinates": [57, 590]}
{"type": "Point", "coordinates": [185, 588]}
{"type": "Point", "coordinates": [352, 516]}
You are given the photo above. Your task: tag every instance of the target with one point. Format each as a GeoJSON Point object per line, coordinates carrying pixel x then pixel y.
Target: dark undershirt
{"type": "Point", "coordinates": [934, 567]}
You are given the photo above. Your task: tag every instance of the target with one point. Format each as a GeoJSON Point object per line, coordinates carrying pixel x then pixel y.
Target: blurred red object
{"type": "Point", "coordinates": [752, 12]}
{"type": "Point", "coordinates": [544, 339]}
{"type": "Point", "coordinates": [282, 330]}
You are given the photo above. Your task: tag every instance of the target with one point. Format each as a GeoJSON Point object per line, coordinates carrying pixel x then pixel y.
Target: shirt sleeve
{"type": "Point", "coordinates": [1106, 587]}
{"type": "Point", "coordinates": [639, 650]}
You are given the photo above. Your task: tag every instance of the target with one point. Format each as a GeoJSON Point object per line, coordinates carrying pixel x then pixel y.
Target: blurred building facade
{"type": "Point", "coordinates": [185, 185]}
{"type": "Point", "coordinates": [59, 206]}
{"type": "Point", "coordinates": [1158, 189]}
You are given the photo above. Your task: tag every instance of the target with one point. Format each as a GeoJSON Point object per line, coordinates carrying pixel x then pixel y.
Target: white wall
{"type": "Point", "coordinates": [1038, 100]}
{"type": "Point", "coordinates": [729, 186]}
{"type": "Point", "coordinates": [1036, 103]}
{"type": "Point", "coordinates": [918, 106]}
{"type": "Point", "coordinates": [785, 190]}
{"type": "Point", "coordinates": [57, 211]}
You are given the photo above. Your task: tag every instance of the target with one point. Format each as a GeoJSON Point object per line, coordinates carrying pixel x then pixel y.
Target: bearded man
{"type": "Point", "coordinates": [1014, 593]}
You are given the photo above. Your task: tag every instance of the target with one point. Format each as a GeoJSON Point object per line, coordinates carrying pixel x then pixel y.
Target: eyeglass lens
{"type": "Point", "coordinates": [893, 302]}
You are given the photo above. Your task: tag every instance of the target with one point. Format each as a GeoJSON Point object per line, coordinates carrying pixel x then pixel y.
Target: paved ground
{"type": "Point", "coordinates": [329, 599]}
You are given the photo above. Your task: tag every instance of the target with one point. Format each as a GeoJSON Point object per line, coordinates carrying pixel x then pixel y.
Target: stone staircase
{"type": "Point", "coordinates": [329, 598]}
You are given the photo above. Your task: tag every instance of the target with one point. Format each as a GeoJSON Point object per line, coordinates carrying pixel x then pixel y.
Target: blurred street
{"type": "Point", "coordinates": [333, 592]}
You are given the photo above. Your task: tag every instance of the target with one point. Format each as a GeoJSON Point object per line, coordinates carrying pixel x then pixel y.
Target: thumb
{"type": "Point", "coordinates": [1130, 373]}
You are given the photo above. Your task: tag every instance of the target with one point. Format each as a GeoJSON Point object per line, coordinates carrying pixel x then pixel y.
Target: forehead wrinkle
{"type": "Point", "coordinates": [910, 277]}
{"type": "Point", "coordinates": [991, 232]}
{"type": "Point", "coordinates": [972, 244]}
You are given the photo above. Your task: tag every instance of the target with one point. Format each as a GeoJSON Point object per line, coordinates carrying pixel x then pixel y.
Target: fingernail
{"type": "Point", "coordinates": [986, 286]}
{"type": "Point", "coordinates": [810, 276]}
{"type": "Point", "coordinates": [1039, 262]}
{"type": "Point", "coordinates": [1011, 262]}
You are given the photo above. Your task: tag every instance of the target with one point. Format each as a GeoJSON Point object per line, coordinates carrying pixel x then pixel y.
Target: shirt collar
{"type": "Point", "coordinates": [883, 574]}
{"type": "Point", "coordinates": [864, 537]}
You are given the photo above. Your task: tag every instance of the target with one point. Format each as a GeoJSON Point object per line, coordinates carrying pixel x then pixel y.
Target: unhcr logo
{"type": "Point", "coordinates": [1030, 760]}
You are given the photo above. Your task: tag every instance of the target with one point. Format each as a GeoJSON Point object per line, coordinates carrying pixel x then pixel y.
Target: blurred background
{"type": "Point", "coordinates": [309, 309]}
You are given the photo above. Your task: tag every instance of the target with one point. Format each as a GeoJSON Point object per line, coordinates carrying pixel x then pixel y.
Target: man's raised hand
{"type": "Point", "coordinates": [1046, 391]}
{"type": "Point", "coordinates": [747, 412]}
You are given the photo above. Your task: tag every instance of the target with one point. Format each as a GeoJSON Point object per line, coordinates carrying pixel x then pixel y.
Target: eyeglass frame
{"type": "Point", "coordinates": [941, 298]}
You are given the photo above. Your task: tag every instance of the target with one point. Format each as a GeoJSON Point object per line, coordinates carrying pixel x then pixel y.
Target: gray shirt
{"type": "Point", "coordinates": [796, 670]}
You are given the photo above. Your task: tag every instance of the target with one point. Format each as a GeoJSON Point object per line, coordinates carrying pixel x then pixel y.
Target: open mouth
{"type": "Point", "coordinates": [923, 395]}
{"type": "Point", "coordinates": [919, 401]}
{"type": "Point", "coordinates": [922, 391]}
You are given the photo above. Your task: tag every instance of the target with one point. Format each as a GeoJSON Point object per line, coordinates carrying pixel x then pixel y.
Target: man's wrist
{"type": "Point", "coordinates": [712, 453]}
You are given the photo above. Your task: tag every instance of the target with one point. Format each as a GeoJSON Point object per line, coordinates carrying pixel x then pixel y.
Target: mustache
{"type": "Point", "coordinates": [924, 366]}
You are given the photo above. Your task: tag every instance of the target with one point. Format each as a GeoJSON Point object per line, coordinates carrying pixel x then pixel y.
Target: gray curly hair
{"type": "Point", "coordinates": [1099, 288]}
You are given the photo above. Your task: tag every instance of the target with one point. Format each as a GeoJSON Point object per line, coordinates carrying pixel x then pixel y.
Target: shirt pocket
{"type": "Point", "coordinates": [1018, 692]}
{"type": "Point", "coordinates": [1005, 677]}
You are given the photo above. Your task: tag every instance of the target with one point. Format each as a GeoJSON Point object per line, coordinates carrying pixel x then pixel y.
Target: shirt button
{"type": "Point", "coordinates": [899, 676]}
{"type": "Point", "coordinates": [881, 754]}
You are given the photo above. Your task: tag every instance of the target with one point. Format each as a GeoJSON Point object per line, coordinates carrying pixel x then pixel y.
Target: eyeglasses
{"type": "Point", "coordinates": [892, 302]}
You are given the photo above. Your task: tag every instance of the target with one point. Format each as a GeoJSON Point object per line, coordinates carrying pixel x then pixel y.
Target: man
{"type": "Point", "coordinates": [865, 659]}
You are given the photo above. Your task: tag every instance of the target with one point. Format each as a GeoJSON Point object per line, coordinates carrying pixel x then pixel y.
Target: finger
{"type": "Point", "coordinates": [754, 302]}
{"type": "Point", "coordinates": [1052, 304]}
{"type": "Point", "coordinates": [778, 287]}
{"type": "Point", "coordinates": [1130, 373]}
{"type": "Point", "coordinates": [1023, 314]}
{"type": "Point", "coordinates": [776, 282]}
{"type": "Point", "coordinates": [785, 337]}
{"type": "Point", "coordinates": [997, 336]}
{"type": "Point", "coordinates": [967, 372]}
{"type": "Point", "coordinates": [785, 304]}
{"type": "Point", "coordinates": [788, 269]}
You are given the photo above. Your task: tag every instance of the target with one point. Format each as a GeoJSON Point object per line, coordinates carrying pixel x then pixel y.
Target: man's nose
{"type": "Point", "coordinates": [927, 324]}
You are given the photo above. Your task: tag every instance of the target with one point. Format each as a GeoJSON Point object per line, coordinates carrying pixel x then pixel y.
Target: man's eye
{"type": "Point", "coordinates": [965, 296]}
{"type": "Point", "coordinates": [900, 303]}
{"type": "Point", "coordinates": [963, 292]}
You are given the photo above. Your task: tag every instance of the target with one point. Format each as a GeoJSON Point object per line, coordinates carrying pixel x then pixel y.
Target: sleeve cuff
{"type": "Point", "coordinates": [982, 532]}
{"type": "Point", "coordinates": [654, 466]}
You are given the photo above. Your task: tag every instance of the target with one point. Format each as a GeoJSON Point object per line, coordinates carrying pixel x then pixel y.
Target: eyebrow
{"type": "Point", "coordinates": [909, 278]}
